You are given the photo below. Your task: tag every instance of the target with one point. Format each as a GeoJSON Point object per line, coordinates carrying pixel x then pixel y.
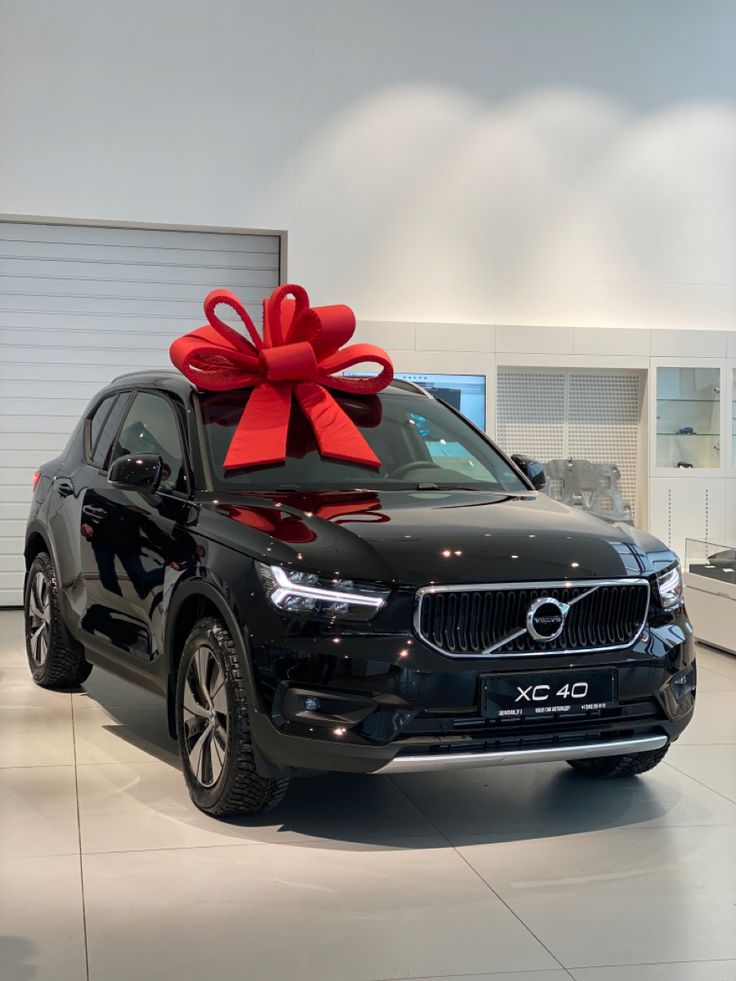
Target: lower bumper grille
{"type": "Point", "coordinates": [642, 711]}
{"type": "Point", "coordinates": [478, 621]}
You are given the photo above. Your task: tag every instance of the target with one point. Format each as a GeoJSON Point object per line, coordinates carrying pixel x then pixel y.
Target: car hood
{"type": "Point", "coordinates": [418, 537]}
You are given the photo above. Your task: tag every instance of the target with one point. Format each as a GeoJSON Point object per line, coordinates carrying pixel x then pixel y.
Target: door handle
{"type": "Point", "coordinates": [95, 513]}
{"type": "Point", "coordinates": [64, 487]}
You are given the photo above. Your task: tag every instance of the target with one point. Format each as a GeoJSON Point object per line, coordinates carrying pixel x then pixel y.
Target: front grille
{"type": "Point", "coordinates": [483, 620]}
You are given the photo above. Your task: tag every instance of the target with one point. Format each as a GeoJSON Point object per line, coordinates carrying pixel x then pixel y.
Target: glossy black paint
{"type": "Point", "coordinates": [141, 473]}
{"type": "Point", "coordinates": [138, 566]}
{"type": "Point", "coordinates": [532, 470]}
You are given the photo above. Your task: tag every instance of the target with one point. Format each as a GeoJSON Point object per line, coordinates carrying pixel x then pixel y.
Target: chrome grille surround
{"type": "Point", "coordinates": [478, 598]}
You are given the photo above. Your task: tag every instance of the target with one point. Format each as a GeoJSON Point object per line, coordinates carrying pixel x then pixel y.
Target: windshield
{"type": "Point", "coordinates": [421, 445]}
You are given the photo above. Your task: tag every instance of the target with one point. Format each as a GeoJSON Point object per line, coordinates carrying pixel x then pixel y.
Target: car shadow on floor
{"type": "Point", "coordinates": [431, 810]}
{"type": "Point", "coordinates": [17, 955]}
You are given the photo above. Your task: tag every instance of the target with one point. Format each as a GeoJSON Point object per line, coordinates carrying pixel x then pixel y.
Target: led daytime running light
{"type": "Point", "coordinates": [286, 588]}
{"type": "Point", "coordinates": [669, 585]}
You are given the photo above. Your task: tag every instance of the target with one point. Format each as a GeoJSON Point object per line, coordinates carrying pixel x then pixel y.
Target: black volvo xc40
{"type": "Point", "coordinates": [313, 616]}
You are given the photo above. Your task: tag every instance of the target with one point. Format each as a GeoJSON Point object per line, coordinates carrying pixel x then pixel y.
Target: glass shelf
{"type": "Point", "coordinates": [716, 562]}
{"type": "Point", "coordinates": [688, 397]}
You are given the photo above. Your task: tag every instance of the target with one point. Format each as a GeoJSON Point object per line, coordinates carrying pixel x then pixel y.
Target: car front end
{"type": "Point", "coordinates": [439, 611]}
{"type": "Point", "coordinates": [395, 672]}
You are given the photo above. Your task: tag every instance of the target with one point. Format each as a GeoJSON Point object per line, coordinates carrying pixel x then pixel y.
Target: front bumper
{"type": "Point", "coordinates": [546, 754]}
{"type": "Point", "coordinates": [389, 704]}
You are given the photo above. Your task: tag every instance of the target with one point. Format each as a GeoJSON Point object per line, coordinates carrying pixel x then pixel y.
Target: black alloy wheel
{"type": "Point", "coordinates": [205, 716]}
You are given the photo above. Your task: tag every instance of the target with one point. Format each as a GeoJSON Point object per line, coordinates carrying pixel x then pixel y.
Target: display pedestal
{"type": "Point", "coordinates": [711, 607]}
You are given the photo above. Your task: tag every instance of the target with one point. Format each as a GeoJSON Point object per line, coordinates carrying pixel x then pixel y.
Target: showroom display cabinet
{"type": "Point", "coordinates": [710, 580]}
{"type": "Point", "coordinates": [692, 450]}
{"type": "Point", "coordinates": [687, 415]}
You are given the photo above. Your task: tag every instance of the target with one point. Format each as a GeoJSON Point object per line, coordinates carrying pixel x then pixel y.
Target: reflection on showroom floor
{"type": "Point", "coordinates": [527, 872]}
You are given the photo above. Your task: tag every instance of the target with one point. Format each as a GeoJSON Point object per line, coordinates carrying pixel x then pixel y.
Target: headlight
{"type": "Point", "coordinates": [306, 592]}
{"type": "Point", "coordinates": [670, 588]}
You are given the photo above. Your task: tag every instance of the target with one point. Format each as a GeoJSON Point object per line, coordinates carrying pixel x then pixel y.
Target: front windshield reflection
{"type": "Point", "coordinates": [422, 445]}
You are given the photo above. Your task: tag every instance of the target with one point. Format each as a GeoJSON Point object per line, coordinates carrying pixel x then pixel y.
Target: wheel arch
{"type": "Point", "coordinates": [37, 541]}
{"type": "Point", "coordinates": [192, 601]}
{"type": "Point", "coordinates": [35, 544]}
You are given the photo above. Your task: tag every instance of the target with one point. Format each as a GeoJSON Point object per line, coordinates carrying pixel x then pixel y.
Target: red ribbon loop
{"type": "Point", "coordinates": [299, 355]}
{"type": "Point", "coordinates": [292, 362]}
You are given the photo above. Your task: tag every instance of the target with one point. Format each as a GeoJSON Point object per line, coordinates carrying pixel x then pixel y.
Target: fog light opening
{"type": "Point", "coordinates": [683, 684]}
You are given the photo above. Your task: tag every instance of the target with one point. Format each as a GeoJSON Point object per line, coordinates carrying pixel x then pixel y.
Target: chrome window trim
{"type": "Point", "coordinates": [592, 584]}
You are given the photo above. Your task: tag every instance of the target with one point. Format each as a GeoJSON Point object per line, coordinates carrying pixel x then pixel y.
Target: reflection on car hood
{"type": "Point", "coordinates": [419, 537]}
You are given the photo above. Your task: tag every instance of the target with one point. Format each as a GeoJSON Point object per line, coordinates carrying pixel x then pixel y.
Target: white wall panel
{"type": "Point", "coordinates": [82, 304]}
{"type": "Point", "coordinates": [396, 336]}
{"type": "Point", "coordinates": [532, 413]}
{"type": "Point", "coordinates": [457, 337]}
{"type": "Point", "coordinates": [555, 413]}
{"type": "Point", "coordinates": [534, 340]}
{"type": "Point", "coordinates": [509, 162]}
{"type": "Point", "coordinates": [693, 343]}
{"type": "Point", "coordinates": [694, 507]}
{"type": "Point", "coordinates": [730, 512]}
{"type": "Point", "coordinates": [608, 342]}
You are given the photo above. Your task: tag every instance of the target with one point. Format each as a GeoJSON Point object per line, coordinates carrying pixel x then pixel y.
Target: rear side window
{"type": "Point", "coordinates": [150, 427]}
{"type": "Point", "coordinates": [108, 430]}
{"type": "Point", "coordinates": [97, 420]}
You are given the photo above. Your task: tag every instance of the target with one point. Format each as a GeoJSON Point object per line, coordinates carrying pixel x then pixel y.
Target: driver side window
{"type": "Point", "coordinates": [150, 427]}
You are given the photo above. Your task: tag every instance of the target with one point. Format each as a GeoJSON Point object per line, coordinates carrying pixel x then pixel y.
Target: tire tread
{"type": "Point", "coordinates": [246, 790]}
{"type": "Point", "coordinates": [65, 665]}
{"type": "Point", "coordinates": [612, 767]}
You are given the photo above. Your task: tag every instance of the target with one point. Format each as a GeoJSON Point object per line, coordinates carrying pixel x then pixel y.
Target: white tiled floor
{"type": "Point", "coordinates": [108, 873]}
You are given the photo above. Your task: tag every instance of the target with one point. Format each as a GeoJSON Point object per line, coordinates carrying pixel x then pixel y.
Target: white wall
{"type": "Point", "coordinates": [564, 162]}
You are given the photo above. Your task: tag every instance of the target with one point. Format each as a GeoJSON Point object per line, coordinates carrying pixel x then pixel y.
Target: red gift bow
{"type": "Point", "coordinates": [299, 354]}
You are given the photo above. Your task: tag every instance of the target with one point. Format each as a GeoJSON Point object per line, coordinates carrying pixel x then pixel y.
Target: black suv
{"type": "Point", "coordinates": [318, 615]}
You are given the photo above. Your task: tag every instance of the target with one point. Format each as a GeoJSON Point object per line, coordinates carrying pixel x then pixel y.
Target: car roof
{"type": "Point", "coordinates": [169, 380]}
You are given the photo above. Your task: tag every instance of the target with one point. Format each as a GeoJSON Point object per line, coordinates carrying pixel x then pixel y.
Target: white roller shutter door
{"type": "Point", "coordinates": [81, 304]}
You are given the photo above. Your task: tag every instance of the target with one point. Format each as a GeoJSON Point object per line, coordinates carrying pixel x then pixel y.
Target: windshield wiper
{"type": "Point", "coordinates": [461, 487]}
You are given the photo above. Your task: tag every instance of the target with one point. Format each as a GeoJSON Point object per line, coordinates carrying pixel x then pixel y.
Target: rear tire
{"type": "Point", "coordinates": [213, 728]}
{"type": "Point", "coordinates": [610, 767]}
{"type": "Point", "coordinates": [56, 660]}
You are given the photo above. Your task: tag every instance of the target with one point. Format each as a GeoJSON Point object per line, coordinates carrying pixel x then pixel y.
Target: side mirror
{"type": "Point", "coordinates": [141, 473]}
{"type": "Point", "coordinates": [532, 470]}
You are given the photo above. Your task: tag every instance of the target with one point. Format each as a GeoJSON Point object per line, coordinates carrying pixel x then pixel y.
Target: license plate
{"type": "Point", "coordinates": [549, 693]}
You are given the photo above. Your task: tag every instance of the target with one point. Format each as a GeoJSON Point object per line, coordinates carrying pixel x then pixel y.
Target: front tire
{"type": "Point", "coordinates": [55, 659]}
{"type": "Point", "coordinates": [213, 728]}
{"type": "Point", "coordinates": [611, 767]}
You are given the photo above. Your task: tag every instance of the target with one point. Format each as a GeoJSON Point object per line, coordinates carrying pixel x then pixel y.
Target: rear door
{"type": "Point", "coordinates": [126, 535]}
{"type": "Point", "coordinates": [71, 481]}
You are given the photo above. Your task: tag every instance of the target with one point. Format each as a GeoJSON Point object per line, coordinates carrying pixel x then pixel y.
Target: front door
{"type": "Point", "coordinates": [126, 534]}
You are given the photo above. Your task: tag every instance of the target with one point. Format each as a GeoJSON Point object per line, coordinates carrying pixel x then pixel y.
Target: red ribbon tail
{"type": "Point", "coordinates": [337, 435]}
{"type": "Point", "coordinates": [260, 437]}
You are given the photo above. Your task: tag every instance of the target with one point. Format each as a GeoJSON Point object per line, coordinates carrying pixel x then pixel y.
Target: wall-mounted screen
{"type": "Point", "coordinates": [466, 393]}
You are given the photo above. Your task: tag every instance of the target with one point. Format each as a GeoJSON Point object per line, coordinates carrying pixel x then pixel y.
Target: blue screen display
{"type": "Point", "coordinates": [466, 393]}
